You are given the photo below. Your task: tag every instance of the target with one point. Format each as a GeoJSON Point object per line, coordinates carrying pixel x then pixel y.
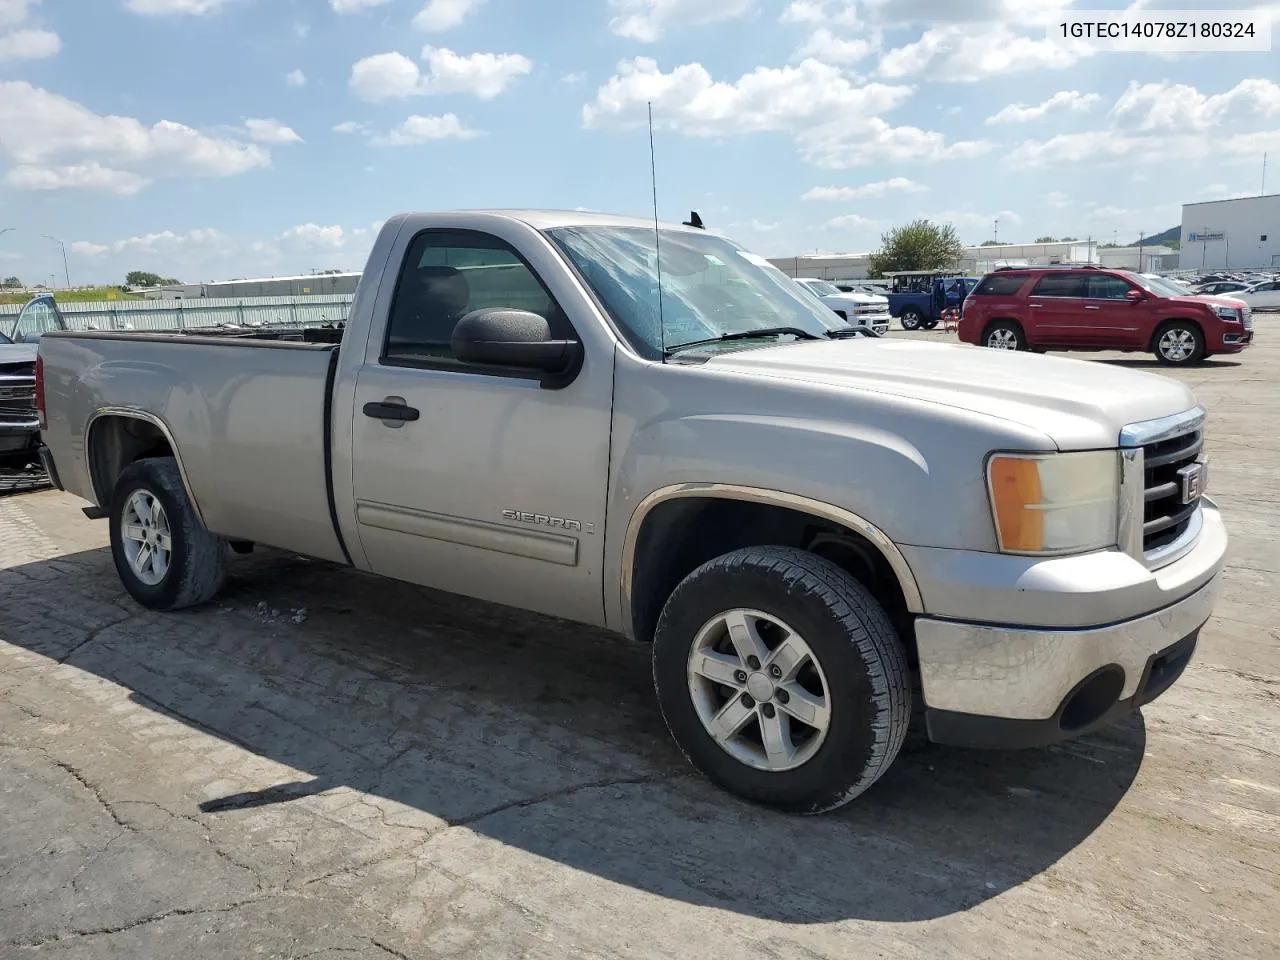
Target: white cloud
{"type": "Point", "coordinates": [419, 129]}
{"type": "Point", "coordinates": [85, 176]}
{"type": "Point", "coordinates": [441, 15]}
{"type": "Point", "coordinates": [852, 221]}
{"type": "Point", "coordinates": [960, 53]}
{"type": "Point", "coordinates": [295, 78]}
{"type": "Point", "coordinates": [1072, 100]}
{"type": "Point", "coordinates": [1108, 213]}
{"type": "Point", "coordinates": [270, 131]}
{"type": "Point", "coordinates": [833, 120]}
{"type": "Point", "coordinates": [353, 6]}
{"type": "Point", "coordinates": [648, 20]}
{"type": "Point", "coordinates": [1057, 200]}
{"type": "Point", "coordinates": [901, 13]}
{"type": "Point", "coordinates": [29, 45]}
{"type": "Point", "coordinates": [14, 12]}
{"type": "Point", "coordinates": [315, 235]}
{"type": "Point", "coordinates": [393, 76]}
{"type": "Point", "coordinates": [151, 243]}
{"type": "Point", "coordinates": [826, 46]}
{"type": "Point", "coordinates": [821, 11]}
{"type": "Point", "coordinates": [1178, 107]}
{"type": "Point", "coordinates": [351, 126]}
{"type": "Point", "coordinates": [967, 219]}
{"type": "Point", "coordinates": [175, 7]}
{"type": "Point", "coordinates": [880, 188]}
{"type": "Point", "coordinates": [49, 131]}
{"type": "Point", "coordinates": [1101, 146]}
{"type": "Point", "coordinates": [576, 77]}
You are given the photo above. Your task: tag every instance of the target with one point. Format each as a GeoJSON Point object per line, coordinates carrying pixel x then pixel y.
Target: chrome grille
{"type": "Point", "coordinates": [1170, 496]}
{"type": "Point", "coordinates": [17, 393]}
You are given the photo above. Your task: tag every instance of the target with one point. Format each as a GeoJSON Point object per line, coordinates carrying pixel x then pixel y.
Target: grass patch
{"type": "Point", "coordinates": [84, 295]}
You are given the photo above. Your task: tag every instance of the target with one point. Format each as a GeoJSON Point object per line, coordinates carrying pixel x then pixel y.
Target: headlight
{"type": "Point", "coordinates": [1228, 313]}
{"type": "Point", "coordinates": [1055, 503]}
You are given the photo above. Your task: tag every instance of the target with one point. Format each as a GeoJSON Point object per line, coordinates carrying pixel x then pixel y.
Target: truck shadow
{"type": "Point", "coordinates": [544, 735]}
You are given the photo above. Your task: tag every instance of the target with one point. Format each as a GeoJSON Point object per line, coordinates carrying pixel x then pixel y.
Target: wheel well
{"type": "Point", "coordinates": [114, 443]}
{"type": "Point", "coordinates": [1166, 324]}
{"type": "Point", "coordinates": [680, 535]}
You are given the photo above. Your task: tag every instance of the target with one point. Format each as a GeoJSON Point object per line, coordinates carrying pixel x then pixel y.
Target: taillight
{"type": "Point", "coordinates": [44, 423]}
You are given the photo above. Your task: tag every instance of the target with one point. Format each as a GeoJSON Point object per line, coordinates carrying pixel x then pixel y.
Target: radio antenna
{"type": "Point", "coordinates": [657, 243]}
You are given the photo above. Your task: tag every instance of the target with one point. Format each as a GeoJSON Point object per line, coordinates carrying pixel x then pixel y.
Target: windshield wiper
{"type": "Point", "coordinates": [797, 332]}
{"type": "Point", "coordinates": [848, 333]}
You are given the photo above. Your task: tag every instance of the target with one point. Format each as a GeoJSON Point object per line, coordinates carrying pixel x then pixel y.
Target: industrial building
{"type": "Point", "coordinates": [1241, 234]}
{"type": "Point", "coordinates": [974, 261]}
{"type": "Point", "coordinates": [311, 284]}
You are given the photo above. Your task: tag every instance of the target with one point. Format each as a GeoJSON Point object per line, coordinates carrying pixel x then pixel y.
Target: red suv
{"type": "Point", "coordinates": [1089, 308]}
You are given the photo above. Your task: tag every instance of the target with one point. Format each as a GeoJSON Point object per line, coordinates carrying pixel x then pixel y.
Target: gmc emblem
{"type": "Point", "coordinates": [1193, 477]}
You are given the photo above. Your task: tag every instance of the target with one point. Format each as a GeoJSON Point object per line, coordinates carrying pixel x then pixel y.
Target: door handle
{"type": "Point", "coordinates": [1036, 306]}
{"type": "Point", "coordinates": [1087, 307]}
{"type": "Point", "coordinates": [386, 410]}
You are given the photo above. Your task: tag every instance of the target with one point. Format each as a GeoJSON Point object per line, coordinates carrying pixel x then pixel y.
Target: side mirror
{"type": "Point", "coordinates": [1135, 296]}
{"type": "Point", "coordinates": [517, 339]}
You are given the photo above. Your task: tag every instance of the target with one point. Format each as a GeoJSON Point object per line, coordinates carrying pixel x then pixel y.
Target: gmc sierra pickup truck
{"type": "Point", "coordinates": [816, 532]}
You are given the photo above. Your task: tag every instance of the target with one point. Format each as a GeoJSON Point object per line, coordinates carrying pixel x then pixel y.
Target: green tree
{"type": "Point", "coordinates": [141, 278]}
{"type": "Point", "coordinates": [1045, 240]}
{"type": "Point", "coordinates": [11, 283]}
{"type": "Point", "coordinates": [989, 243]}
{"type": "Point", "coordinates": [920, 245]}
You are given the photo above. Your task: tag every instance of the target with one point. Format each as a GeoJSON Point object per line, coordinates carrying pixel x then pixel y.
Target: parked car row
{"type": "Point", "coordinates": [854, 307]}
{"type": "Point", "coordinates": [1091, 308]}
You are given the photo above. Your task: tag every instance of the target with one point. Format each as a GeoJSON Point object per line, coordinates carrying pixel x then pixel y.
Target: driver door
{"type": "Point", "coordinates": [495, 487]}
{"type": "Point", "coordinates": [39, 316]}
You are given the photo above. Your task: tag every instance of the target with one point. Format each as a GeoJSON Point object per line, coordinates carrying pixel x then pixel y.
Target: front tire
{"type": "Point", "coordinates": [782, 679]}
{"type": "Point", "coordinates": [911, 319]}
{"type": "Point", "coordinates": [165, 557]}
{"type": "Point", "coordinates": [1179, 344]}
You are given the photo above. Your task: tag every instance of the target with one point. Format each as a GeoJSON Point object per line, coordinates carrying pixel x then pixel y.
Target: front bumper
{"type": "Point", "coordinates": [18, 437]}
{"type": "Point", "coordinates": [989, 682]}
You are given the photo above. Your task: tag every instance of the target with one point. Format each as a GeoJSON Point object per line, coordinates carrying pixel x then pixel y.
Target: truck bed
{"type": "Point", "coordinates": [247, 414]}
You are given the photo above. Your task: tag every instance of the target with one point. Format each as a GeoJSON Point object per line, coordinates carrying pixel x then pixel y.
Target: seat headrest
{"type": "Point", "coordinates": [444, 287]}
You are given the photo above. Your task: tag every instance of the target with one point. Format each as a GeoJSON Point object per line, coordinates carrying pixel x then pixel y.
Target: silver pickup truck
{"type": "Point", "coordinates": [644, 429]}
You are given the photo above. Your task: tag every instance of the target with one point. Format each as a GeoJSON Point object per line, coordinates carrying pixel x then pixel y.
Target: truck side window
{"type": "Point", "coordinates": [449, 273]}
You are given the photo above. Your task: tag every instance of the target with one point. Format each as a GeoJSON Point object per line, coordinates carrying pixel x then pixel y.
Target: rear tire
{"type": "Point", "coordinates": [165, 557]}
{"type": "Point", "coordinates": [1004, 335]}
{"type": "Point", "coordinates": [1179, 344]}
{"type": "Point", "coordinates": [911, 319]}
{"type": "Point", "coordinates": [834, 713]}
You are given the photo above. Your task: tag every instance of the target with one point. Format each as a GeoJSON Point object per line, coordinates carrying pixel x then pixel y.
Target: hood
{"type": "Point", "coordinates": [1079, 404]}
{"type": "Point", "coordinates": [1213, 300]}
{"type": "Point", "coordinates": [856, 300]}
{"type": "Point", "coordinates": [18, 353]}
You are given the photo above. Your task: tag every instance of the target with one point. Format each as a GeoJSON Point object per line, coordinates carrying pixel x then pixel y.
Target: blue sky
{"type": "Point", "coordinates": [216, 138]}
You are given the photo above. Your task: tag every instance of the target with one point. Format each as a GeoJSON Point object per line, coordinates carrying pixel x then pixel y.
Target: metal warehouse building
{"type": "Point", "coordinates": [1237, 234]}
{"type": "Point", "coordinates": [307, 285]}
{"type": "Point", "coordinates": [975, 260]}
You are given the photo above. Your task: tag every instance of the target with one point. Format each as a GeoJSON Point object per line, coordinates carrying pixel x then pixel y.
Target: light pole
{"type": "Point", "coordinates": [65, 268]}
